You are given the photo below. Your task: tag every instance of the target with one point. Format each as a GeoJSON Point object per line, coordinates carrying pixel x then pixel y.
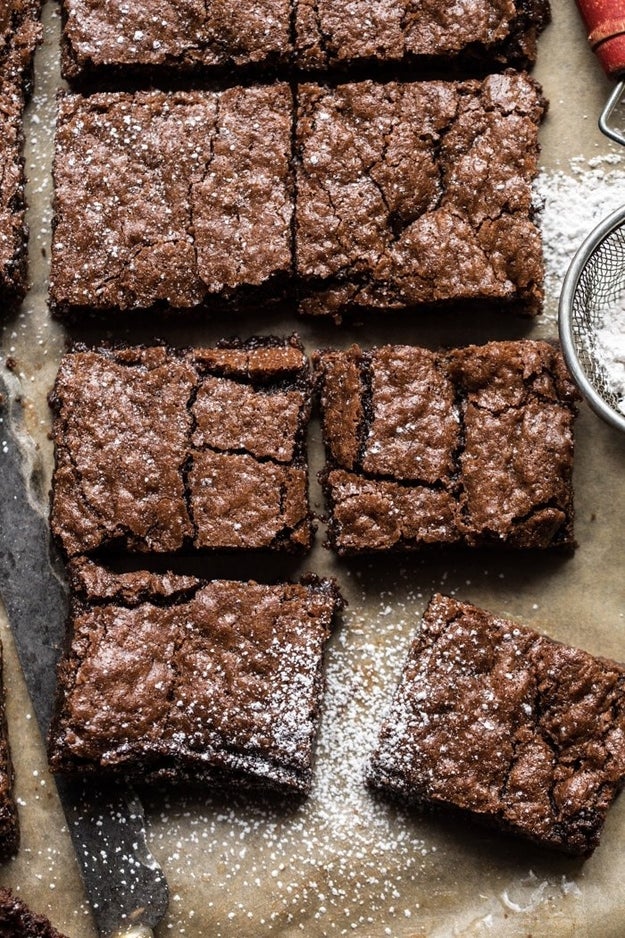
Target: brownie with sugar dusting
{"type": "Point", "coordinates": [175, 678]}
{"type": "Point", "coordinates": [418, 194]}
{"type": "Point", "coordinates": [507, 726]}
{"type": "Point", "coordinates": [18, 921]}
{"type": "Point", "coordinates": [171, 201]}
{"type": "Point", "coordinates": [166, 451]}
{"type": "Point", "coordinates": [470, 446]}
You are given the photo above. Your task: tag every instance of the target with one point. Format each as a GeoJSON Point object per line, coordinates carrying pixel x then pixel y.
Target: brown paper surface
{"type": "Point", "coordinates": [345, 863]}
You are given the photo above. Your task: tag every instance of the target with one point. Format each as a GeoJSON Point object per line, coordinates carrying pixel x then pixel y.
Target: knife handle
{"type": "Point", "coordinates": [134, 931]}
{"type": "Point", "coordinates": [605, 22]}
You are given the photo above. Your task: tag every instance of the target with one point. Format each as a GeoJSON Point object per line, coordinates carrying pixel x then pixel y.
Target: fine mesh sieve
{"type": "Point", "coordinates": [595, 283]}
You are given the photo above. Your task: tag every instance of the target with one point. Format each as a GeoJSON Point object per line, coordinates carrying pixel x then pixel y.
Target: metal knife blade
{"type": "Point", "coordinates": [126, 886]}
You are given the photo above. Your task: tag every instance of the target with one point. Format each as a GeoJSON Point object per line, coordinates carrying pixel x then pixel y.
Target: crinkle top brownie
{"type": "Point", "coordinates": [9, 820]}
{"type": "Point", "coordinates": [172, 36]}
{"type": "Point", "coordinates": [163, 451]}
{"type": "Point", "coordinates": [472, 445]}
{"type": "Point", "coordinates": [516, 729]}
{"type": "Point", "coordinates": [20, 32]}
{"type": "Point", "coordinates": [177, 678]}
{"type": "Point", "coordinates": [17, 920]}
{"type": "Point", "coordinates": [412, 194]}
{"type": "Point", "coordinates": [479, 33]}
{"type": "Point", "coordinates": [171, 200]}
{"type": "Point", "coordinates": [169, 37]}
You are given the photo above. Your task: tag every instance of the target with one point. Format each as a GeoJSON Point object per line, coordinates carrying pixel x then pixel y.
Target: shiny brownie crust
{"type": "Point", "coordinates": [506, 725]}
{"type": "Point", "coordinates": [170, 677]}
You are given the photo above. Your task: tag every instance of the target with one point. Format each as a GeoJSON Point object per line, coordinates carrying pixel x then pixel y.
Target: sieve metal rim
{"type": "Point", "coordinates": [567, 341]}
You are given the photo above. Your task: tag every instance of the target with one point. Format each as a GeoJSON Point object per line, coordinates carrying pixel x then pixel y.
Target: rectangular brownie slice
{"type": "Point", "coordinates": [20, 32]}
{"type": "Point", "coordinates": [507, 726]}
{"type": "Point", "coordinates": [164, 451]}
{"type": "Point", "coordinates": [9, 820]}
{"type": "Point", "coordinates": [176, 201]}
{"type": "Point", "coordinates": [471, 446]}
{"type": "Point", "coordinates": [139, 40]}
{"type": "Point", "coordinates": [484, 34]}
{"type": "Point", "coordinates": [177, 678]}
{"type": "Point", "coordinates": [418, 194]}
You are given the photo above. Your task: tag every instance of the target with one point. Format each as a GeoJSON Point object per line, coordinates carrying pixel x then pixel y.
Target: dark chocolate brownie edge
{"type": "Point", "coordinates": [9, 819]}
{"type": "Point", "coordinates": [17, 920]}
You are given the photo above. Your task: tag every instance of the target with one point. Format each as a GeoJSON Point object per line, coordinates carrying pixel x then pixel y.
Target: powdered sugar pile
{"type": "Point", "coordinates": [572, 202]}
{"type": "Point", "coordinates": [609, 348]}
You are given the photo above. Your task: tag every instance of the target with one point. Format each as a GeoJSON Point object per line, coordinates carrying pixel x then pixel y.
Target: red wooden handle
{"type": "Point", "coordinates": [605, 22]}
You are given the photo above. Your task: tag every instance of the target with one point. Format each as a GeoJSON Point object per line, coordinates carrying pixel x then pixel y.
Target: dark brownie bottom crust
{"type": "Point", "coordinates": [506, 725]}
{"type": "Point", "coordinates": [173, 678]}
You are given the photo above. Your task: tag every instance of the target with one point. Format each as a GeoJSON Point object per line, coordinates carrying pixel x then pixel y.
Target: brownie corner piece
{"type": "Point", "coordinates": [207, 173]}
{"type": "Point", "coordinates": [18, 921]}
{"type": "Point", "coordinates": [9, 820]}
{"type": "Point", "coordinates": [484, 35]}
{"type": "Point", "coordinates": [214, 681]}
{"type": "Point", "coordinates": [507, 726]}
{"type": "Point", "coordinates": [418, 195]}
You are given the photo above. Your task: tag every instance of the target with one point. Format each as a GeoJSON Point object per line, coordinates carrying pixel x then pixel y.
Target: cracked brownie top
{"type": "Point", "coordinates": [473, 445]}
{"type": "Point", "coordinates": [170, 37]}
{"type": "Point", "coordinates": [175, 677]}
{"type": "Point", "coordinates": [160, 451]}
{"type": "Point", "coordinates": [508, 725]}
{"type": "Point", "coordinates": [166, 200]}
{"type": "Point", "coordinates": [418, 193]}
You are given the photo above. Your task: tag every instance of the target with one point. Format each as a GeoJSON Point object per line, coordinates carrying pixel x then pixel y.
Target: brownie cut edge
{"type": "Point", "coordinates": [506, 726]}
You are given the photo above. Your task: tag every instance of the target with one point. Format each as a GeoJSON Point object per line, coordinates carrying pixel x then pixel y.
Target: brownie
{"type": "Point", "coordinates": [20, 33]}
{"type": "Point", "coordinates": [114, 40]}
{"type": "Point", "coordinates": [507, 726]}
{"type": "Point", "coordinates": [469, 446]}
{"type": "Point", "coordinates": [418, 194]}
{"type": "Point", "coordinates": [9, 820]}
{"type": "Point", "coordinates": [172, 37]}
{"type": "Point", "coordinates": [178, 200]}
{"type": "Point", "coordinates": [217, 682]}
{"type": "Point", "coordinates": [17, 920]}
{"type": "Point", "coordinates": [482, 33]}
{"type": "Point", "coordinates": [164, 451]}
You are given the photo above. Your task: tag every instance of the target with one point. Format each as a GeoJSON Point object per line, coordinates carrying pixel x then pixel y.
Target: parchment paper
{"type": "Point", "coordinates": [344, 862]}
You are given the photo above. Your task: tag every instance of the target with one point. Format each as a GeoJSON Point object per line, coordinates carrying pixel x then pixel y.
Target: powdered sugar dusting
{"type": "Point", "coordinates": [609, 348]}
{"type": "Point", "coordinates": [573, 201]}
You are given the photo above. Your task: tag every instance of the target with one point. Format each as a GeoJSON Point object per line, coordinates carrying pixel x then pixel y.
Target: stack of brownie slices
{"type": "Point", "coordinates": [252, 155]}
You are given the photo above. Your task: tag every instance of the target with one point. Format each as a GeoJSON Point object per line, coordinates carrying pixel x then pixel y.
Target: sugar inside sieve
{"type": "Point", "coordinates": [592, 309]}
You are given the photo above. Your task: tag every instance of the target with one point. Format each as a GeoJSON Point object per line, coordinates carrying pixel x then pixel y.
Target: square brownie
{"type": "Point", "coordinates": [18, 921]}
{"type": "Point", "coordinates": [471, 446]}
{"type": "Point", "coordinates": [507, 726]}
{"type": "Point", "coordinates": [132, 38]}
{"type": "Point", "coordinates": [175, 200]}
{"type": "Point", "coordinates": [20, 32]}
{"type": "Point", "coordinates": [170, 677]}
{"type": "Point", "coordinates": [482, 34]}
{"type": "Point", "coordinates": [418, 194]}
{"type": "Point", "coordinates": [164, 451]}
{"type": "Point", "coordinates": [9, 820]}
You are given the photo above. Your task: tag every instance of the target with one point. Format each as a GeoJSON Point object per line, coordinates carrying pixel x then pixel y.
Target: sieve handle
{"type": "Point", "coordinates": [605, 22]}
